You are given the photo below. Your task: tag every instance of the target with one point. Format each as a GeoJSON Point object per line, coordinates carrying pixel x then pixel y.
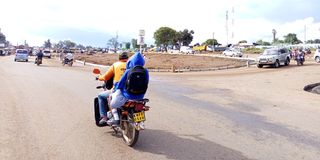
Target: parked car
{"type": "Point", "coordinates": [21, 55]}
{"type": "Point", "coordinates": [316, 56]}
{"type": "Point", "coordinates": [233, 52]}
{"type": "Point", "coordinates": [186, 49]}
{"type": "Point", "coordinates": [210, 48]}
{"type": "Point", "coordinates": [274, 57]}
{"type": "Point", "coordinates": [217, 49]}
{"type": "Point", "coordinates": [47, 53]}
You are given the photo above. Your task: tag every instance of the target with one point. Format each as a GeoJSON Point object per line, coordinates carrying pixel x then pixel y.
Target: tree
{"type": "Point", "coordinates": [134, 43]}
{"type": "Point", "coordinates": [316, 41]}
{"type": "Point", "coordinates": [263, 43]}
{"type": "Point", "coordinates": [291, 38]}
{"type": "Point", "coordinates": [310, 41]}
{"type": "Point", "coordinates": [80, 46]}
{"type": "Point", "coordinates": [69, 44]}
{"type": "Point", "coordinates": [243, 41]}
{"type": "Point", "coordinates": [89, 47]}
{"type": "Point", "coordinates": [47, 44]}
{"type": "Point", "coordinates": [211, 42]}
{"type": "Point", "coordinates": [165, 36]}
{"type": "Point", "coordinates": [59, 45]}
{"type": "Point", "coordinates": [7, 43]}
{"type": "Point", "coordinates": [2, 38]}
{"type": "Point", "coordinates": [278, 41]}
{"type": "Point", "coordinates": [185, 37]}
{"type": "Point", "coordinates": [313, 41]}
{"type": "Point", "coordinates": [113, 42]}
{"type": "Point", "coordinates": [128, 45]}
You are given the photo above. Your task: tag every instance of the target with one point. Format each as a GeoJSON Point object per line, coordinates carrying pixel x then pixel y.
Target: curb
{"type": "Point", "coordinates": [91, 64]}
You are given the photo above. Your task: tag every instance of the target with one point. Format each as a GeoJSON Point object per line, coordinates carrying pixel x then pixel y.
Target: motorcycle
{"type": "Point", "coordinates": [67, 61]}
{"type": "Point", "coordinates": [38, 61]}
{"type": "Point", "coordinates": [300, 59]}
{"type": "Point", "coordinates": [131, 115]}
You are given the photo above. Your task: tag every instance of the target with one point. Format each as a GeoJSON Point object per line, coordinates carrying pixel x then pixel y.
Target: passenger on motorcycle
{"type": "Point", "coordinates": [115, 71]}
{"type": "Point", "coordinates": [294, 53]}
{"type": "Point", "coordinates": [301, 54]}
{"type": "Point", "coordinates": [121, 94]}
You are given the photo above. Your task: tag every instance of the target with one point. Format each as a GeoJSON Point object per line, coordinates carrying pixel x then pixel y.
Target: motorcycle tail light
{"type": "Point", "coordinates": [139, 107]}
{"type": "Point", "coordinates": [124, 113]}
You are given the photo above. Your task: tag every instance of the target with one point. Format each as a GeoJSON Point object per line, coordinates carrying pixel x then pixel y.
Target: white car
{"type": "Point", "coordinates": [316, 56]}
{"type": "Point", "coordinates": [186, 49]}
{"type": "Point", "coordinates": [232, 52]}
{"type": "Point", "coordinates": [47, 53]}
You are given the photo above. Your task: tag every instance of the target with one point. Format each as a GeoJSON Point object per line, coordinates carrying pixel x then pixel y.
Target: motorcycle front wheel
{"type": "Point", "coordinates": [130, 134]}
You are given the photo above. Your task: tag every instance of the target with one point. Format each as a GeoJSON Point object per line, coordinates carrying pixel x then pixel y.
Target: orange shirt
{"type": "Point", "coordinates": [117, 69]}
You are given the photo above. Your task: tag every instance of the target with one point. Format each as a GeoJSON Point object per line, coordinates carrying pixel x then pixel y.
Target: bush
{"type": "Point", "coordinates": [253, 50]}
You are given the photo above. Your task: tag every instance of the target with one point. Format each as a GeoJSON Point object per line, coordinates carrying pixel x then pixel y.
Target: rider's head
{"type": "Point", "coordinates": [123, 56]}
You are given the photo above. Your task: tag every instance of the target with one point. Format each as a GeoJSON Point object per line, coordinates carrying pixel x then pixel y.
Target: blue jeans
{"type": "Point", "coordinates": [103, 102]}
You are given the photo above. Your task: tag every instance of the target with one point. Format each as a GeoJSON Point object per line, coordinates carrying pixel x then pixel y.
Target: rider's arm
{"type": "Point", "coordinates": [107, 75]}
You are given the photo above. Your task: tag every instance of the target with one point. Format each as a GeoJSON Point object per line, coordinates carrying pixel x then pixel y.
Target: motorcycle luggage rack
{"type": "Point", "coordinates": [130, 102]}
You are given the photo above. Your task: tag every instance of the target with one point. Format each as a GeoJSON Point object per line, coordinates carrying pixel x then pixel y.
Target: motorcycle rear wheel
{"type": "Point", "coordinates": [130, 134]}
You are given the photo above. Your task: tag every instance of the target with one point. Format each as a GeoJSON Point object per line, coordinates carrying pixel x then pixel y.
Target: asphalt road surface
{"type": "Point", "coordinates": [46, 112]}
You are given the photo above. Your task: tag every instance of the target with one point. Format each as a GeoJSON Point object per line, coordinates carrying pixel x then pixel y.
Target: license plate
{"type": "Point", "coordinates": [138, 117]}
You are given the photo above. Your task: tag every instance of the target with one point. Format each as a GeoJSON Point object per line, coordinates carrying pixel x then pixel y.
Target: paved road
{"type": "Point", "coordinates": [247, 113]}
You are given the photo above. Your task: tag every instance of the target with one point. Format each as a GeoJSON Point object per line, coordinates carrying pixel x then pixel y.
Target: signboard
{"type": "Point", "coordinates": [141, 40]}
{"type": "Point", "coordinates": [141, 32]}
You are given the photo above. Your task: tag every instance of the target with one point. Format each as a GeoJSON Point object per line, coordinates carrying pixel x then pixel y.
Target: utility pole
{"type": "Point", "coordinates": [116, 43]}
{"type": "Point", "coordinates": [305, 34]}
{"type": "Point", "coordinates": [227, 29]}
{"type": "Point", "coordinates": [232, 34]}
{"type": "Point", "coordinates": [213, 45]}
{"type": "Point", "coordinates": [274, 32]}
{"type": "Point", "coordinates": [213, 39]}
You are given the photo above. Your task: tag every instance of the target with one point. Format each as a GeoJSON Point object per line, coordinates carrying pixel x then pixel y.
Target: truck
{"type": "Point", "coordinates": [199, 48]}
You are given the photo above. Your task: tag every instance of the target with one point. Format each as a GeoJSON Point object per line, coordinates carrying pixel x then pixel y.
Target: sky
{"type": "Point", "coordinates": [94, 22]}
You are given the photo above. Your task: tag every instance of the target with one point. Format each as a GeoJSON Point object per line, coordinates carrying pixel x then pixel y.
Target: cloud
{"type": "Point", "coordinates": [94, 22]}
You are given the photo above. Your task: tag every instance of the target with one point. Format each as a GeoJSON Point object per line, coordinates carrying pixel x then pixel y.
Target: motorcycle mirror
{"type": "Point", "coordinates": [96, 71]}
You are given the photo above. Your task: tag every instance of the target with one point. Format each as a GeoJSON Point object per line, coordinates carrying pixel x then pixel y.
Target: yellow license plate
{"type": "Point", "coordinates": [138, 117]}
